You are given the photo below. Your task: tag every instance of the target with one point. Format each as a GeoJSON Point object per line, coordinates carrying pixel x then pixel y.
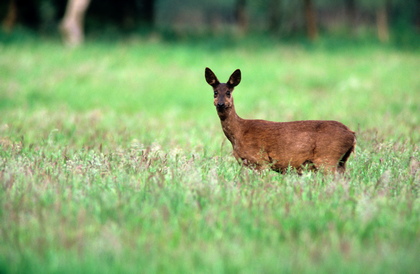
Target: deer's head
{"type": "Point", "coordinates": [223, 91]}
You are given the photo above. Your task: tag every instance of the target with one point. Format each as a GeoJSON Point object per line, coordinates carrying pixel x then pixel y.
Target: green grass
{"type": "Point", "coordinates": [112, 159]}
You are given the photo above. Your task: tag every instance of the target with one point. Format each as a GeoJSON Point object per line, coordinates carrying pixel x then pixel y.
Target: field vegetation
{"type": "Point", "coordinates": [112, 159]}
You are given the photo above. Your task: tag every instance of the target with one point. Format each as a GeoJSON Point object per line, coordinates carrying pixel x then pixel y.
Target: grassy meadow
{"type": "Point", "coordinates": [112, 159]}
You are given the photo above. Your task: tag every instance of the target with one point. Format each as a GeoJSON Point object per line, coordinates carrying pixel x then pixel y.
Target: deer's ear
{"type": "Point", "coordinates": [235, 78]}
{"type": "Point", "coordinates": [211, 78]}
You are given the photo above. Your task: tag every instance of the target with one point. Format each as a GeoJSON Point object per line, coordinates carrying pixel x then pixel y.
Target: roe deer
{"type": "Point", "coordinates": [259, 144]}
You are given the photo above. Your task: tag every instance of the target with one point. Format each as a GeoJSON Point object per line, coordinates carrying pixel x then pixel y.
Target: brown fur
{"type": "Point", "coordinates": [260, 144]}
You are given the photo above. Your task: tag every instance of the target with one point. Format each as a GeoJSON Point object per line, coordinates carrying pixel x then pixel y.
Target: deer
{"type": "Point", "coordinates": [297, 145]}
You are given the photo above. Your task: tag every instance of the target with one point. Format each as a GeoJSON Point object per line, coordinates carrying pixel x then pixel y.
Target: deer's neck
{"type": "Point", "coordinates": [231, 123]}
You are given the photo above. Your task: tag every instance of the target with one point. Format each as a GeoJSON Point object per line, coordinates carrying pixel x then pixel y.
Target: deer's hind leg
{"type": "Point", "coordinates": [327, 165]}
{"type": "Point", "coordinates": [341, 167]}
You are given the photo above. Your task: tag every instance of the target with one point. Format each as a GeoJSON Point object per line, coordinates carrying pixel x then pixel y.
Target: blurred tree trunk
{"type": "Point", "coordinates": [72, 25]}
{"type": "Point", "coordinates": [350, 8]}
{"type": "Point", "coordinates": [10, 20]}
{"type": "Point", "coordinates": [241, 16]}
{"type": "Point", "coordinates": [274, 16]}
{"type": "Point", "coordinates": [147, 12]}
{"type": "Point", "coordinates": [310, 19]}
{"type": "Point", "coordinates": [382, 22]}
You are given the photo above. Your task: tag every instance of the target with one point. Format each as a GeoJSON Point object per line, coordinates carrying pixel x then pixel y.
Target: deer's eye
{"type": "Point", "coordinates": [215, 93]}
{"type": "Point", "coordinates": [228, 93]}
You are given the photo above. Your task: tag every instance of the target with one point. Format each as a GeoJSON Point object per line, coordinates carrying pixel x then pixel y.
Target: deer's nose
{"type": "Point", "coordinates": [220, 106]}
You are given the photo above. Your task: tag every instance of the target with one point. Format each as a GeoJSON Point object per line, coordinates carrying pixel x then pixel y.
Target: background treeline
{"type": "Point", "coordinates": [281, 18]}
